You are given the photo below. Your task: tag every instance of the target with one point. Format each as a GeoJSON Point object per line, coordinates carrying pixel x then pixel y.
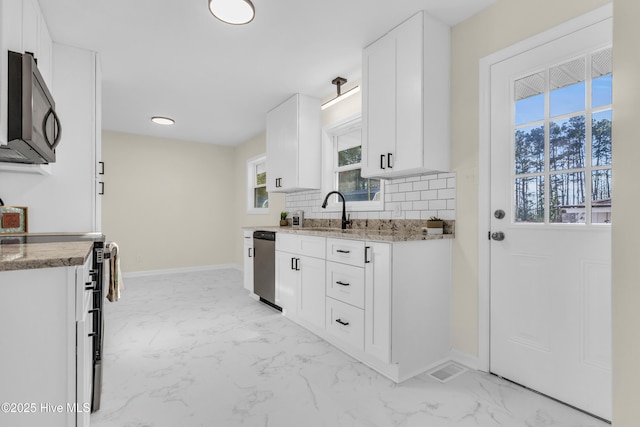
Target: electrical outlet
{"type": "Point", "coordinates": [397, 211]}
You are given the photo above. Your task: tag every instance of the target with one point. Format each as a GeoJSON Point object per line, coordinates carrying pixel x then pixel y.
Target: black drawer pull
{"type": "Point", "coordinates": [92, 334]}
{"type": "Point", "coordinates": [90, 286]}
{"type": "Point", "coordinates": [342, 323]}
{"type": "Point", "coordinates": [343, 251]}
{"type": "Point", "coordinates": [342, 283]}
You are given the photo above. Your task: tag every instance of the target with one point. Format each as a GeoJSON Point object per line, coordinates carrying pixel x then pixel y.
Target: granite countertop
{"type": "Point", "coordinates": [374, 230]}
{"type": "Point", "coordinates": [26, 256]}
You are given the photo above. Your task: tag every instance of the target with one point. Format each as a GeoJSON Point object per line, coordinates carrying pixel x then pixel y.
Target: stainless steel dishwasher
{"type": "Point", "coordinates": [264, 267]}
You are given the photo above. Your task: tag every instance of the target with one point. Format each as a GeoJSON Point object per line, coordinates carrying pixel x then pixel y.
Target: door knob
{"type": "Point", "coordinates": [499, 214]}
{"type": "Point", "coordinates": [498, 236]}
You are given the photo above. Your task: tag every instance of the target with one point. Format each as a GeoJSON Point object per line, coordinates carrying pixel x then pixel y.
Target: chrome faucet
{"type": "Point", "coordinates": [345, 221]}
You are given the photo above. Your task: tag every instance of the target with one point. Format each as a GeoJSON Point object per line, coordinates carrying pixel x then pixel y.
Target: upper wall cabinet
{"type": "Point", "coordinates": [405, 100]}
{"type": "Point", "coordinates": [293, 145]}
{"type": "Point", "coordinates": [23, 29]}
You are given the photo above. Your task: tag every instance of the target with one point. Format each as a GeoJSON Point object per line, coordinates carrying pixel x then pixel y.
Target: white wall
{"type": "Point", "coordinates": [168, 204]}
{"type": "Point", "coordinates": [626, 199]}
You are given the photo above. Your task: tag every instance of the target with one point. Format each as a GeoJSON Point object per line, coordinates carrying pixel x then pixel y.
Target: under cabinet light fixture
{"type": "Point", "coordinates": [234, 12]}
{"type": "Point", "coordinates": [339, 81]}
{"type": "Point", "coordinates": [162, 120]}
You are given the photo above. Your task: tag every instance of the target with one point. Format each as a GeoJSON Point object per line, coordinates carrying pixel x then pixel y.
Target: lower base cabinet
{"type": "Point", "coordinates": [300, 279]}
{"type": "Point", "coordinates": [46, 358]}
{"type": "Point", "coordinates": [386, 304]}
{"type": "Point", "coordinates": [248, 261]}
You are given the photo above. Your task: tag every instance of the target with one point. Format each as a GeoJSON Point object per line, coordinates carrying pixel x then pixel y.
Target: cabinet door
{"type": "Point", "coordinates": [282, 145]}
{"type": "Point", "coordinates": [409, 153]}
{"type": "Point", "coordinates": [286, 283]}
{"type": "Point", "coordinates": [84, 371]}
{"type": "Point", "coordinates": [45, 54]}
{"type": "Point", "coordinates": [378, 106]}
{"type": "Point", "coordinates": [248, 263]}
{"type": "Point", "coordinates": [377, 305]}
{"type": "Point", "coordinates": [311, 293]}
{"type": "Point", "coordinates": [30, 23]}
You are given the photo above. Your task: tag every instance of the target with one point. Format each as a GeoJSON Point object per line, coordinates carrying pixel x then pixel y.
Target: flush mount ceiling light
{"type": "Point", "coordinates": [339, 81]}
{"type": "Point", "coordinates": [162, 120]}
{"type": "Point", "coordinates": [234, 12]}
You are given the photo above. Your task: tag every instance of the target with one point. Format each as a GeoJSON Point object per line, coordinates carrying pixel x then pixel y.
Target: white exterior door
{"type": "Point", "coordinates": [551, 214]}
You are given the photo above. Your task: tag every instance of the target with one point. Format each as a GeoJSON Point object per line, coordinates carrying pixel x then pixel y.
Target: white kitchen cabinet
{"type": "Point", "coordinates": [248, 260]}
{"type": "Point", "coordinates": [345, 323]}
{"type": "Point", "coordinates": [311, 292]}
{"type": "Point", "coordinates": [385, 303]}
{"type": "Point", "coordinates": [47, 351]}
{"type": "Point", "coordinates": [287, 279]}
{"type": "Point", "coordinates": [78, 82]}
{"type": "Point", "coordinates": [294, 145]}
{"type": "Point", "coordinates": [405, 100]}
{"type": "Point", "coordinates": [377, 340]}
{"type": "Point", "coordinates": [300, 278]}
{"type": "Point", "coordinates": [22, 29]}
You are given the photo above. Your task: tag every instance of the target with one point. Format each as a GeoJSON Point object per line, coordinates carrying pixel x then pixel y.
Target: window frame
{"type": "Point", "coordinates": [252, 165]}
{"type": "Point", "coordinates": [330, 167]}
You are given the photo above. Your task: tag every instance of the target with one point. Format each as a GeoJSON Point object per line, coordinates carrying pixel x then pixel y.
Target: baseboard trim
{"type": "Point", "coordinates": [465, 359]}
{"type": "Point", "coordinates": [147, 273]}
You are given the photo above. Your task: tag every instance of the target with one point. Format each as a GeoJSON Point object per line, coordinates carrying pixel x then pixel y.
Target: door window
{"type": "Point", "coordinates": [562, 166]}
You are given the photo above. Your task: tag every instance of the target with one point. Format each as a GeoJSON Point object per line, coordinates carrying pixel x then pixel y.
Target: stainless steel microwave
{"type": "Point", "coordinates": [33, 126]}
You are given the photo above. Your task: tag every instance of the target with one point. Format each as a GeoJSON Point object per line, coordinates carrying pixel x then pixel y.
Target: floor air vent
{"type": "Point", "coordinates": [447, 372]}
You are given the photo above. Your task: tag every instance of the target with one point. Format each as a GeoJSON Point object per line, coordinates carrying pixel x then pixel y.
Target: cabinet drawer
{"type": "Point", "coordinates": [346, 251]}
{"type": "Point", "coordinates": [346, 323]}
{"type": "Point", "coordinates": [286, 242]}
{"type": "Point", "coordinates": [312, 246]}
{"type": "Point", "coordinates": [346, 283]}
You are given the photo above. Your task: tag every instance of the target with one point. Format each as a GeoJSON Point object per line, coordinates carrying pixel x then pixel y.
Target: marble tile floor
{"type": "Point", "coordinates": [187, 350]}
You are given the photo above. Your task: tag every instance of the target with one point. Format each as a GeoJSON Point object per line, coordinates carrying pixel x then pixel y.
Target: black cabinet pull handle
{"type": "Point", "coordinates": [101, 192]}
{"type": "Point", "coordinates": [342, 251]}
{"type": "Point", "coordinates": [89, 286]}
{"type": "Point", "coordinates": [293, 265]}
{"type": "Point", "coordinates": [297, 264]}
{"type": "Point", "coordinates": [342, 283]}
{"type": "Point", "coordinates": [93, 310]}
{"type": "Point", "coordinates": [342, 323]}
{"type": "Point", "coordinates": [249, 252]}
{"type": "Point", "coordinates": [92, 334]}
{"type": "Point", "coordinates": [389, 164]}
{"type": "Point", "coordinates": [382, 161]}
{"type": "Point", "coordinates": [367, 260]}
{"type": "Point", "coordinates": [101, 168]}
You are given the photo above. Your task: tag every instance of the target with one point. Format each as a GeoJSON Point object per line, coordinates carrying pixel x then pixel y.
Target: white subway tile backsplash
{"type": "Point", "coordinates": [414, 195]}
{"type": "Point", "coordinates": [417, 197]}
{"type": "Point", "coordinates": [429, 195]}
{"type": "Point", "coordinates": [398, 197]}
{"type": "Point", "coordinates": [420, 185]}
{"type": "Point", "coordinates": [449, 193]}
{"type": "Point", "coordinates": [408, 186]}
{"type": "Point", "coordinates": [436, 205]}
{"type": "Point", "coordinates": [437, 184]}
{"type": "Point", "coordinates": [421, 205]}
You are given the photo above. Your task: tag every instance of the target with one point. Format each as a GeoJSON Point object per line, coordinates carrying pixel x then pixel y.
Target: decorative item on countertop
{"type": "Point", "coordinates": [13, 219]}
{"type": "Point", "coordinates": [297, 218]}
{"type": "Point", "coordinates": [283, 219]}
{"type": "Point", "coordinates": [435, 225]}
